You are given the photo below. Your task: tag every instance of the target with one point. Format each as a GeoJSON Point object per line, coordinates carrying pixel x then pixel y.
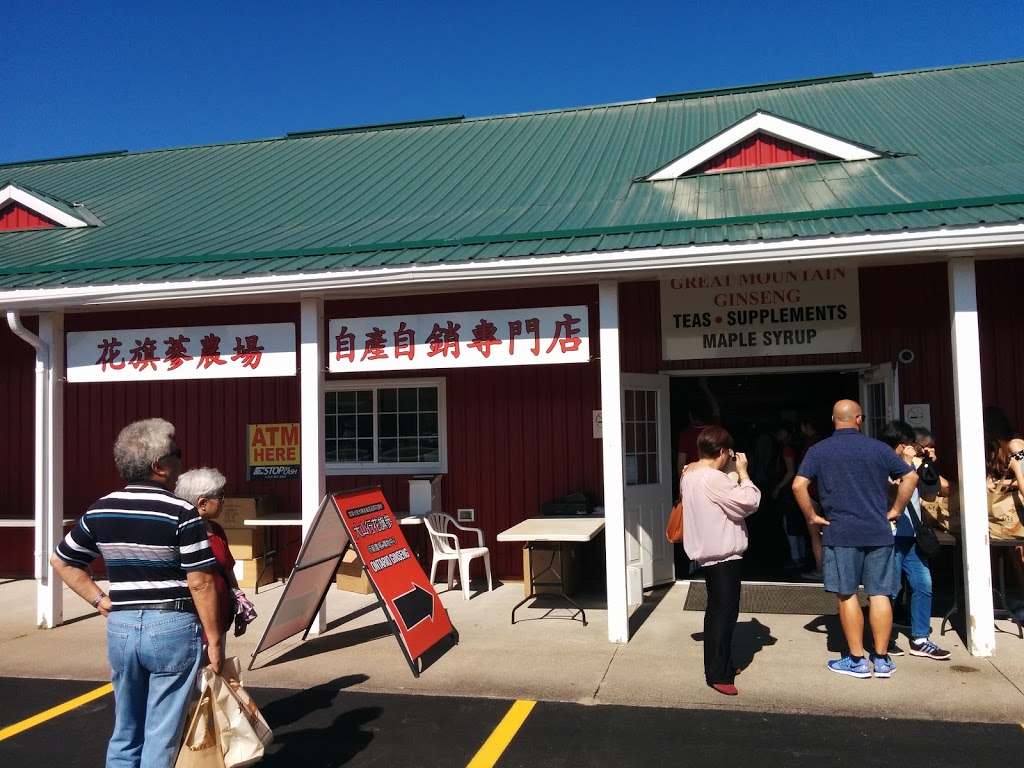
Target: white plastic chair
{"type": "Point", "coordinates": [446, 546]}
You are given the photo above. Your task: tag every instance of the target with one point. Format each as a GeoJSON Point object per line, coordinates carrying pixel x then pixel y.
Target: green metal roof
{"type": "Point", "coordinates": [452, 190]}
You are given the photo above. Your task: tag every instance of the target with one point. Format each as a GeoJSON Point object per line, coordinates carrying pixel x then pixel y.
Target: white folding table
{"type": "Point", "coordinates": [549, 533]}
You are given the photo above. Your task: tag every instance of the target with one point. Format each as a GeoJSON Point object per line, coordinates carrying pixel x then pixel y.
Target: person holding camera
{"type": "Point", "coordinates": [715, 536]}
{"type": "Point", "coordinates": [900, 436]}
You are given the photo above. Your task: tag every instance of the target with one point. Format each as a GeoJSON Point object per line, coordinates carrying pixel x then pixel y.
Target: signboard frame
{"type": "Point", "coordinates": [333, 531]}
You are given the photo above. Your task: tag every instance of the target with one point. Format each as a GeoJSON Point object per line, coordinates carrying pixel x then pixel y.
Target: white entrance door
{"type": "Point", "coordinates": [647, 458]}
{"type": "Point", "coordinates": [879, 398]}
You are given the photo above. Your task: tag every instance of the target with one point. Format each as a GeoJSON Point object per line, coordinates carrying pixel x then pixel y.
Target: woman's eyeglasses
{"type": "Point", "coordinates": [215, 497]}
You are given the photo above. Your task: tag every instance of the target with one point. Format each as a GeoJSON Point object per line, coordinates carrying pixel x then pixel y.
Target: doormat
{"type": "Point", "coordinates": [803, 599]}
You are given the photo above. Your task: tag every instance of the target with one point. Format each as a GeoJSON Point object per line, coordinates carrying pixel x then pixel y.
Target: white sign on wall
{"type": "Point", "coordinates": [535, 336]}
{"type": "Point", "coordinates": [749, 312]}
{"type": "Point", "coordinates": [193, 352]}
{"type": "Point", "coordinates": [918, 415]}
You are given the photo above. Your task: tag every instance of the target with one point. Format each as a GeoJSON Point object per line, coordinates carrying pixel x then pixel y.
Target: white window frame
{"type": "Point", "coordinates": [397, 468]}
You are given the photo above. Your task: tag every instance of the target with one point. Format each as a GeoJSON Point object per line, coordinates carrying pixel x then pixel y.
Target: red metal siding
{"type": "Point", "coordinates": [517, 437]}
{"type": "Point", "coordinates": [17, 449]}
{"type": "Point", "coordinates": [758, 151]}
{"type": "Point", "coordinates": [210, 417]}
{"type": "Point", "coordinates": [17, 216]}
{"type": "Point", "coordinates": [1002, 337]}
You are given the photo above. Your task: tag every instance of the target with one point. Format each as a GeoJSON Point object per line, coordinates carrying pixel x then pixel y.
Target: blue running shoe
{"type": "Point", "coordinates": [883, 666]}
{"type": "Point", "coordinates": [847, 666]}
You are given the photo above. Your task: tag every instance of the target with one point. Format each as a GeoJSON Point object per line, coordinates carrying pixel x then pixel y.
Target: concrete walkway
{"type": "Point", "coordinates": [546, 656]}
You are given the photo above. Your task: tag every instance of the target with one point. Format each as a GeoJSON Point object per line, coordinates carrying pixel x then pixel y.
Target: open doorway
{"type": "Point", "coordinates": [763, 413]}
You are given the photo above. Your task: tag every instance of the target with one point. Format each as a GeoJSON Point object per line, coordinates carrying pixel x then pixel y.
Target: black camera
{"type": "Point", "coordinates": [927, 471]}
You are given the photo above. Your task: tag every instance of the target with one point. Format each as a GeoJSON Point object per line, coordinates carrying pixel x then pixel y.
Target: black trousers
{"type": "Point", "coordinates": [723, 585]}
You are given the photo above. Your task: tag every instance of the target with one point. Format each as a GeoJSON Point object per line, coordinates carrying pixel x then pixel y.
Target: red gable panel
{"type": "Point", "coordinates": [758, 151]}
{"type": "Point", "coordinates": [17, 216]}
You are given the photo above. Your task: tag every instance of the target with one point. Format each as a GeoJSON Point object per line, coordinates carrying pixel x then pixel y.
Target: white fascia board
{"type": "Point", "coordinates": [11, 193]}
{"type": "Point", "coordinates": [647, 263]}
{"type": "Point", "coordinates": [761, 122]}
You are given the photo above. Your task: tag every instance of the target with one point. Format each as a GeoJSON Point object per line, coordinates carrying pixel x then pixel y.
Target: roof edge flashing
{"type": "Point", "coordinates": [376, 127]}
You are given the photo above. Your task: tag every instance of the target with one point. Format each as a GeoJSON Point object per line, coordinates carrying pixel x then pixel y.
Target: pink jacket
{"type": "Point", "coordinates": [714, 508]}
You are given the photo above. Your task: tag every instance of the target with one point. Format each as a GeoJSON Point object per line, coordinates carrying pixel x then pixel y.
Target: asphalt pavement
{"type": "Point", "coordinates": [348, 697]}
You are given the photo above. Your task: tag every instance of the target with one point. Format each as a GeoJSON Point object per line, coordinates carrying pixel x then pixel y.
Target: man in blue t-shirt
{"type": "Point", "coordinates": [852, 472]}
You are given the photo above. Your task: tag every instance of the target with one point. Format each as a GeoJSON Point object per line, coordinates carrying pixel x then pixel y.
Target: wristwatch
{"type": "Point", "coordinates": [96, 602]}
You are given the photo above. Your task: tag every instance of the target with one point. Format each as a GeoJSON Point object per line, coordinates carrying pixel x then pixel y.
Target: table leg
{"type": "Point", "coordinates": [560, 583]}
{"type": "Point", "coordinates": [269, 556]}
{"type": "Point", "coordinates": [1004, 611]}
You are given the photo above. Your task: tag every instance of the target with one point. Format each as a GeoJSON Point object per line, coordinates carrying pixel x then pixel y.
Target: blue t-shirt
{"type": "Point", "coordinates": [853, 472]}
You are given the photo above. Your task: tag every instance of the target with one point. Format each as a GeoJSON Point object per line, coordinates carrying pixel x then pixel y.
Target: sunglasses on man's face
{"type": "Point", "coordinates": [174, 454]}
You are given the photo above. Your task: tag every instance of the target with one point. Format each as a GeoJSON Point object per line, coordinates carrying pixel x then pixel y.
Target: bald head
{"type": "Point", "coordinates": [846, 414]}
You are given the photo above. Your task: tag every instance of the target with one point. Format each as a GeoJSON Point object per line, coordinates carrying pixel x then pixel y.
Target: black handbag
{"type": "Point", "coordinates": [927, 543]}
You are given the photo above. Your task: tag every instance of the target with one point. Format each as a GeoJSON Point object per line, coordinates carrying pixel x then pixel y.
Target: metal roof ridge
{"type": "Point", "coordinates": [826, 79]}
{"type": "Point", "coordinates": [376, 127]}
{"type": "Point", "coordinates": [737, 89]}
{"type": "Point", "coordinates": [941, 68]}
{"type": "Point", "coordinates": [629, 229]}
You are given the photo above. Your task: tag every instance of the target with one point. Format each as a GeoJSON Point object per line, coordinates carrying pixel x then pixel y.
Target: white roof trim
{"type": "Point", "coordinates": [648, 263]}
{"type": "Point", "coordinates": [764, 123]}
{"type": "Point", "coordinates": [40, 207]}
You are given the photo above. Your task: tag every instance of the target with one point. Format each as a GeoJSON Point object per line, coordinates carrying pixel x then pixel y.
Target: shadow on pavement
{"type": "Point", "coordinates": [749, 638]}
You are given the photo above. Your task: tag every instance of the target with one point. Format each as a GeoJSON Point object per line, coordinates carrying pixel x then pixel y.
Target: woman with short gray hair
{"type": "Point", "coordinates": [204, 487]}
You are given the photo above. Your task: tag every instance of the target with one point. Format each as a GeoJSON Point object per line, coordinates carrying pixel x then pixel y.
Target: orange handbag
{"type": "Point", "coordinates": [674, 530]}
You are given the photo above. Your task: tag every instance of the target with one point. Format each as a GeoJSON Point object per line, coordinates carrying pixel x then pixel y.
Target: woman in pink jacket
{"type": "Point", "coordinates": [715, 536]}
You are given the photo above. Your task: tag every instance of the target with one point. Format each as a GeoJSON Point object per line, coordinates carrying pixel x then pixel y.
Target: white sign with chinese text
{"type": "Point", "coordinates": [536, 336]}
{"type": "Point", "coordinates": [193, 352]}
{"type": "Point", "coordinates": [745, 312]}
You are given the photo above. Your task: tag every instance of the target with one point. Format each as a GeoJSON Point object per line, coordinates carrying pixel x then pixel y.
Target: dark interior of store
{"type": "Point", "coordinates": [753, 408]}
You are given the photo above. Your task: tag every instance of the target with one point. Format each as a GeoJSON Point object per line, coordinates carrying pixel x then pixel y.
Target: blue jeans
{"type": "Point", "coordinates": [919, 577]}
{"type": "Point", "coordinates": [154, 657]}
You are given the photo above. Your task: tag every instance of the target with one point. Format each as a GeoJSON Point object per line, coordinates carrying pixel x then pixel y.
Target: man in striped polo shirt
{"type": "Point", "coordinates": [159, 563]}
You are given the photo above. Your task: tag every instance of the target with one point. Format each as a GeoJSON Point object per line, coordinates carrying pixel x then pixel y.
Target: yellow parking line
{"type": "Point", "coordinates": [502, 736]}
{"type": "Point", "coordinates": [60, 709]}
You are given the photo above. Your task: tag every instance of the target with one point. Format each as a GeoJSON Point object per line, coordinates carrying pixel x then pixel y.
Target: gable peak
{"type": "Point", "coordinates": [818, 145]}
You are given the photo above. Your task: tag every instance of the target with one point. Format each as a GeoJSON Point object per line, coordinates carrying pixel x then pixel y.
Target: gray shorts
{"type": "Point", "coordinates": [845, 568]}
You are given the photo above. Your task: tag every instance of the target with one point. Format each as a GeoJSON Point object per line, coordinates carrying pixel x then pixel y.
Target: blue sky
{"type": "Point", "coordinates": [97, 76]}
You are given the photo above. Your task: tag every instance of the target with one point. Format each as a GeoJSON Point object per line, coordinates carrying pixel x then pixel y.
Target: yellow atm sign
{"type": "Point", "coordinates": [274, 451]}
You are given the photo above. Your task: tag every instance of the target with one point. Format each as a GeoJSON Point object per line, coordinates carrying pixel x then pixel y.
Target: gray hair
{"type": "Point", "coordinates": [139, 445]}
{"type": "Point", "coordinates": [203, 482]}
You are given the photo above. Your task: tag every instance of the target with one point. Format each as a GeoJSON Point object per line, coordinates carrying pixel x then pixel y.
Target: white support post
{"type": "Point", "coordinates": [967, 400]}
{"type": "Point", "coordinates": [614, 488]}
{"type": "Point", "coordinates": [49, 469]}
{"type": "Point", "coordinates": [311, 395]}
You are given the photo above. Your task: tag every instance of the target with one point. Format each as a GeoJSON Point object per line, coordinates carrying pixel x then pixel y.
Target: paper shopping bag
{"type": "Point", "coordinates": [244, 733]}
{"type": "Point", "coordinates": [201, 747]}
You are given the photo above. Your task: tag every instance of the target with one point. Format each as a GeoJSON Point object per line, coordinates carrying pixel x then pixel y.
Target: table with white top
{"type": "Point", "coordinates": [550, 533]}
{"type": "Point", "coordinates": [28, 522]}
{"type": "Point", "coordinates": [270, 524]}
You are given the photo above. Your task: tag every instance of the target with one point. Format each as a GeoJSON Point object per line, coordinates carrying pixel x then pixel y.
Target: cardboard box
{"type": "Point", "coordinates": [550, 558]}
{"type": "Point", "coordinates": [351, 576]}
{"type": "Point", "coordinates": [245, 543]}
{"type": "Point", "coordinates": [246, 572]}
{"type": "Point", "coordinates": [235, 510]}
